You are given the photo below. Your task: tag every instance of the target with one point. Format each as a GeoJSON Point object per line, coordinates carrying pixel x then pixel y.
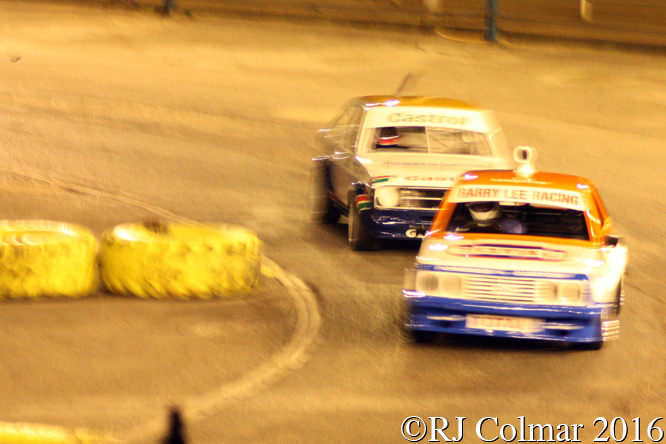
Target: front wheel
{"type": "Point", "coordinates": [359, 237]}
{"type": "Point", "coordinates": [595, 345]}
{"type": "Point", "coordinates": [322, 209]}
{"type": "Point", "coordinates": [421, 336]}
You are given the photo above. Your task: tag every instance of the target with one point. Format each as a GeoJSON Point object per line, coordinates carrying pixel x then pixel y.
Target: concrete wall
{"type": "Point", "coordinates": [621, 21]}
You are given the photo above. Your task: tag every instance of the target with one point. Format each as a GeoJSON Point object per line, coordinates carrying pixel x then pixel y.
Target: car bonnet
{"type": "Point", "coordinates": [515, 253]}
{"type": "Point", "coordinates": [422, 170]}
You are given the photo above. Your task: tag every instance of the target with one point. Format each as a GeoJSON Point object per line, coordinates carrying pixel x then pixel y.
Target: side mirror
{"type": "Point", "coordinates": [611, 241]}
{"type": "Point", "coordinates": [321, 134]}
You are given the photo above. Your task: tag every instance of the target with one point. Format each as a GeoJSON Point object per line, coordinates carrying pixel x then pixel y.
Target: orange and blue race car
{"type": "Point", "coordinates": [519, 254]}
{"type": "Point", "coordinates": [388, 161]}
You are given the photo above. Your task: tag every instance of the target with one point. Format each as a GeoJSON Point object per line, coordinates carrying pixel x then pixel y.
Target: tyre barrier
{"type": "Point", "coordinates": [17, 433]}
{"type": "Point", "coordinates": [40, 258]}
{"type": "Point", "coordinates": [154, 259]}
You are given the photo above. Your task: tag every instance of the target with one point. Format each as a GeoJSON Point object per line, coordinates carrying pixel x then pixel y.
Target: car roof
{"type": "Point", "coordinates": [537, 180]}
{"type": "Point", "coordinates": [415, 101]}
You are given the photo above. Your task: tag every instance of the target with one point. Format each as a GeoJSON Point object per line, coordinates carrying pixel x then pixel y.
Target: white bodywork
{"type": "Point", "coordinates": [428, 170]}
{"type": "Point", "coordinates": [554, 262]}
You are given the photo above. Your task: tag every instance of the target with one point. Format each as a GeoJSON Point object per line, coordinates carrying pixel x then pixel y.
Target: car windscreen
{"type": "Point", "coordinates": [518, 218]}
{"type": "Point", "coordinates": [432, 140]}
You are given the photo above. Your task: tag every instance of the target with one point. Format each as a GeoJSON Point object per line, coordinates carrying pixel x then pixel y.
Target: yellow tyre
{"type": "Point", "coordinates": [178, 260]}
{"type": "Point", "coordinates": [11, 433]}
{"type": "Point", "coordinates": [46, 258]}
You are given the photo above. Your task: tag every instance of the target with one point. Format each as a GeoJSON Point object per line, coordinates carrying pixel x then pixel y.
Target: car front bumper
{"type": "Point", "coordinates": [549, 323]}
{"type": "Point", "coordinates": [397, 224]}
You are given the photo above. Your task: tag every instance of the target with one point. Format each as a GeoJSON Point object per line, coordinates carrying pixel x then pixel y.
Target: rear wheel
{"type": "Point", "coordinates": [322, 209]}
{"type": "Point", "coordinates": [359, 237]}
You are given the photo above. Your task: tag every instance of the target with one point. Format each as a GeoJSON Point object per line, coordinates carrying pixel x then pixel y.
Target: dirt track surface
{"type": "Point", "coordinates": [212, 119]}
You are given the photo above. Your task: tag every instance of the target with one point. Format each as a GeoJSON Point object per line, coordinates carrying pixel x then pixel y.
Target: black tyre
{"type": "Point", "coordinates": [359, 238]}
{"type": "Point", "coordinates": [322, 209]}
{"type": "Point", "coordinates": [596, 345]}
{"type": "Point", "coordinates": [422, 337]}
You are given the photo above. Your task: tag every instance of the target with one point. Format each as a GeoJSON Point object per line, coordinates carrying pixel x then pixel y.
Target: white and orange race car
{"type": "Point", "coordinates": [519, 254]}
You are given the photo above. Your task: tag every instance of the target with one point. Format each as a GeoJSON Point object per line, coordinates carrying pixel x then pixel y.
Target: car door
{"type": "Point", "coordinates": [343, 171]}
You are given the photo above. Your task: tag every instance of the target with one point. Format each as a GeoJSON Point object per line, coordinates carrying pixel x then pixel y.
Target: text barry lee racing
{"type": "Point", "coordinates": [488, 429]}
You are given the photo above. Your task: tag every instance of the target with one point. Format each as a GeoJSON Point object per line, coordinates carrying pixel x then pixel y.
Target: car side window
{"type": "Point", "coordinates": [344, 133]}
{"type": "Point", "coordinates": [354, 128]}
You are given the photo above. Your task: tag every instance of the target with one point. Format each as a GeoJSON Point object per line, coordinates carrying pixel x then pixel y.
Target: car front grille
{"type": "Point", "coordinates": [494, 288]}
{"type": "Point", "coordinates": [503, 289]}
{"type": "Point", "coordinates": [421, 198]}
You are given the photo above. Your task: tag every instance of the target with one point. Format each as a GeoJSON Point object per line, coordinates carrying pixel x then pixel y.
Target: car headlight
{"type": "Point", "coordinates": [549, 291]}
{"type": "Point", "coordinates": [388, 196]}
{"type": "Point", "coordinates": [561, 292]}
{"type": "Point", "coordinates": [438, 284]}
{"type": "Point", "coordinates": [569, 291]}
{"type": "Point", "coordinates": [427, 283]}
{"type": "Point", "coordinates": [449, 284]}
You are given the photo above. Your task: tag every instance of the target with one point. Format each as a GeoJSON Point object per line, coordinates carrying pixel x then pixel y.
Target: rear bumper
{"type": "Point", "coordinates": [555, 323]}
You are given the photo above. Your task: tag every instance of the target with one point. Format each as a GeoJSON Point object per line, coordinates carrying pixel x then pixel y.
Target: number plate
{"type": "Point", "coordinates": [504, 323]}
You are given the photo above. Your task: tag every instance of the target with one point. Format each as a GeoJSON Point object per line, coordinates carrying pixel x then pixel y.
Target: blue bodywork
{"type": "Point", "coordinates": [448, 315]}
{"type": "Point", "coordinates": [389, 224]}
{"type": "Point", "coordinates": [395, 224]}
